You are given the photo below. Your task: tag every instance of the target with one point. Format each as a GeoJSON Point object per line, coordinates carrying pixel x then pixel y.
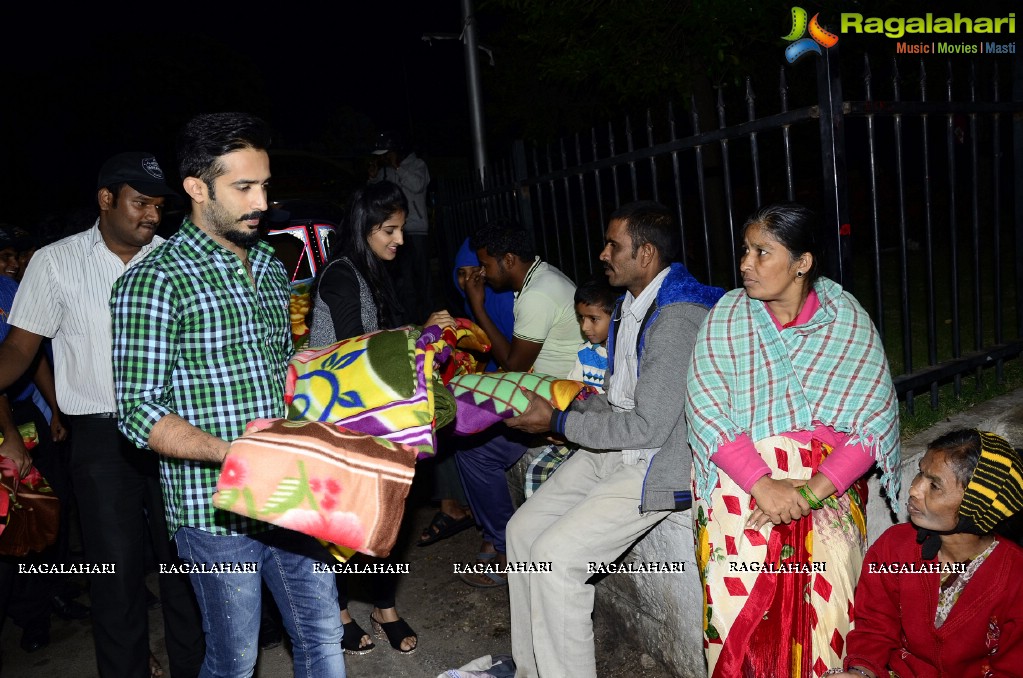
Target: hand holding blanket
{"type": "Point", "coordinates": [482, 400]}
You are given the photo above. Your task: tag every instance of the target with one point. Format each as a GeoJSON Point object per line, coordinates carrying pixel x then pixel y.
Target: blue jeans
{"type": "Point", "coordinates": [486, 487]}
{"type": "Point", "coordinates": [230, 602]}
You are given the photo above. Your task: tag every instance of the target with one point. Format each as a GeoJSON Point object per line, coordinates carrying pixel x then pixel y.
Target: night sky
{"type": "Point", "coordinates": [79, 85]}
{"type": "Point", "coordinates": [78, 89]}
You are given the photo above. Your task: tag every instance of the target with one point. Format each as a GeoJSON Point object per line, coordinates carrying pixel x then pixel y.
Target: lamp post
{"type": "Point", "coordinates": [472, 77]}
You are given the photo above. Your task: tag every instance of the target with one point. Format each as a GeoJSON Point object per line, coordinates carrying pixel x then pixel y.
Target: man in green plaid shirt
{"type": "Point", "coordinates": [201, 346]}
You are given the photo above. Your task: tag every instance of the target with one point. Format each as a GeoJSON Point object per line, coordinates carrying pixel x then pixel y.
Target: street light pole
{"type": "Point", "coordinates": [472, 77]}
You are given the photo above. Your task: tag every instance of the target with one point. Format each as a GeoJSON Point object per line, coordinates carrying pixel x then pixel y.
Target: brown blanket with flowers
{"type": "Point", "coordinates": [339, 486]}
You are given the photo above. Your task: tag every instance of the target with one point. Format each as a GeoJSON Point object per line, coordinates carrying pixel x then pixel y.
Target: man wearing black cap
{"type": "Point", "coordinates": [11, 245]}
{"type": "Point", "coordinates": [395, 163]}
{"type": "Point", "coordinates": [65, 295]}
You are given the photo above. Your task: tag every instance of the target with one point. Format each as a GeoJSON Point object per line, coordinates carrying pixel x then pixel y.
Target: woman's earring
{"type": "Point", "coordinates": [799, 274]}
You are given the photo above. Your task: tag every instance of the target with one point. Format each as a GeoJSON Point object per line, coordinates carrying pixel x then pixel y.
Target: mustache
{"type": "Point", "coordinates": [258, 214]}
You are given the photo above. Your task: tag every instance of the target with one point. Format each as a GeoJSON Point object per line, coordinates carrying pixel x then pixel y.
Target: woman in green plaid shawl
{"type": "Point", "coordinates": [789, 403]}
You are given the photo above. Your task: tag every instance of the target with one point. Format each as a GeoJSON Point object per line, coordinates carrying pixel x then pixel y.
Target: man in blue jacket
{"type": "Point", "coordinates": [634, 463]}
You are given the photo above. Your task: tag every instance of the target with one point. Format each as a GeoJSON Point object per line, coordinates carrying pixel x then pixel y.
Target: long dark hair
{"type": "Point", "coordinates": [371, 206]}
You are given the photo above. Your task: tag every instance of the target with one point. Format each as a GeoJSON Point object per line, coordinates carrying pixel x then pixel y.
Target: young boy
{"type": "Point", "coordinates": [594, 303]}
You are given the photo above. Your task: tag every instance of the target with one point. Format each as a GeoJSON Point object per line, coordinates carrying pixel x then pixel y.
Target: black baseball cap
{"type": "Point", "coordinates": [389, 140]}
{"type": "Point", "coordinates": [139, 170]}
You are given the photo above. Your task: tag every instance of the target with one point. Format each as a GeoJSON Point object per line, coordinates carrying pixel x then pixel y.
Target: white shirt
{"type": "Point", "coordinates": [65, 295]}
{"type": "Point", "coordinates": [413, 176]}
{"type": "Point", "coordinates": [622, 388]}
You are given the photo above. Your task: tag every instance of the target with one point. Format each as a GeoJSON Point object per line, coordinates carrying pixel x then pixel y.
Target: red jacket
{"type": "Point", "coordinates": [894, 615]}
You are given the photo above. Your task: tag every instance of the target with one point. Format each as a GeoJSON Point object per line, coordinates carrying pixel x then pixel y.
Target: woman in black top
{"type": "Point", "coordinates": [355, 295]}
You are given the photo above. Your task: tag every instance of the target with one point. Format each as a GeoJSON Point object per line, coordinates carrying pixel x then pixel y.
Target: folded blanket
{"type": "Point", "coordinates": [341, 487]}
{"type": "Point", "coordinates": [375, 384]}
{"type": "Point", "coordinates": [347, 377]}
{"type": "Point", "coordinates": [29, 510]}
{"type": "Point", "coordinates": [386, 383]}
{"type": "Point", "coordinates": [470, 346]}
{"type": "Point", "coordinates": [359, 413]}
{"type": "Point", "coordinates": [482, 400]}
{"type": "Point", "coordinates": [29, 435]}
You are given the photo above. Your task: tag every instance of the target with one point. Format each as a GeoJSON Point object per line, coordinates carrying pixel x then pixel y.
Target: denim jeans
{"type": "Point", "coordinates": [230, 601]}
{"type": "Point", "coordinates": [486, 486]}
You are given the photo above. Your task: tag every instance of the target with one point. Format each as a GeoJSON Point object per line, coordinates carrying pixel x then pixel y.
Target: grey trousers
{"type": "Point", "coordinates": [586, 512]}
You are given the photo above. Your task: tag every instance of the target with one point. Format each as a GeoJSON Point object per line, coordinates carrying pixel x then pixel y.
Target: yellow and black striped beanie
{"type": "Point", "coordinates": [995, 491]}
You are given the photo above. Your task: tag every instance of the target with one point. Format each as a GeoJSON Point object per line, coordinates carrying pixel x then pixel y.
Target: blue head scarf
{"type": "Point", "coordinates": [497, 304]}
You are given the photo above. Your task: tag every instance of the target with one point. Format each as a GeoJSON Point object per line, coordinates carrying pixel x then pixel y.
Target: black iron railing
{"type": "Point", "coordinates": [918, 195]}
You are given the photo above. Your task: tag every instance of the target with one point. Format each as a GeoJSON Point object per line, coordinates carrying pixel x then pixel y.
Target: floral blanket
{"type": "Point", "coordinates": [360, 412]}
{"type": "Point", "coordinates": [29, 435]}
{"type": "Point", "coordinates": [341, 487]}
{"type": "Point", "coordinates": [375, 384]}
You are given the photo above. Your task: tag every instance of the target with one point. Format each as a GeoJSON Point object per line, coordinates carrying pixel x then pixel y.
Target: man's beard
{"type": "Point", "coordinates": [224, 225]}
{"type": "Point", "coordinates": [499, 282]}
{"type": "Point", "coordinates": [246, 239]}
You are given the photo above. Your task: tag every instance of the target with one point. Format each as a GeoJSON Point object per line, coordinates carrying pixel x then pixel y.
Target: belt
{"type": "Point", "coordinates": [98, 415]}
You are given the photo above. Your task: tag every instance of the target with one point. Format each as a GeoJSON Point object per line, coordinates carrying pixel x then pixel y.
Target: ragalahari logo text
{"type": "Point", "coordinates": [801, 46]}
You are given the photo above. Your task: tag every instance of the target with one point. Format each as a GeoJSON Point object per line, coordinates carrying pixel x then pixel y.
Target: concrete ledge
{"type": "Point", "coordinates": [659, 612]}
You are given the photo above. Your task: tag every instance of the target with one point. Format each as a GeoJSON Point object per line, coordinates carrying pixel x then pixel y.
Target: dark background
{"type": "Point", "coordinates": [79, 88]}
{"type": "Point", "coordinates": [79, 85]}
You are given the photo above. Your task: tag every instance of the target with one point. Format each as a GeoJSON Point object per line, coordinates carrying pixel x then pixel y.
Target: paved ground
{"type": "Point", "coordinates": [455, 623]}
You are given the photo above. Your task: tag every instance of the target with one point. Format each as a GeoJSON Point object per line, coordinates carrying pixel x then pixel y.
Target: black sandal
{"type": "Point", "coordinates": [352, 639]}
{"type": "Point", "coordinates": [443, 526]}
{"type": "Point", "coordinates": [155, 669]}
{"type": "Point", "coordinates": [395, 632]}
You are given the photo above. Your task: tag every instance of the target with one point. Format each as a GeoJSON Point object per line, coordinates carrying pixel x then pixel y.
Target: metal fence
{"type": "Point", "coordinates": [916, 181]}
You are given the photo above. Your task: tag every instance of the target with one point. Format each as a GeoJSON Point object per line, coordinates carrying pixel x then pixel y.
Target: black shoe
{"type": "Point", "coordinates": [71, 590]}
{"type": "Point", "coordinates": [69, 609]}
{"type": "Point", "coordinates": [33, 639]}
{"type": "Point", "coordinates": [152, 600]}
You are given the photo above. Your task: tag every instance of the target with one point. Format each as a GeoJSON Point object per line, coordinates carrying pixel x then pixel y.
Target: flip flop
{"type": "Point", "coordinates": [443, 526]}
{"type": "Point", "coordinates": [484, 580]}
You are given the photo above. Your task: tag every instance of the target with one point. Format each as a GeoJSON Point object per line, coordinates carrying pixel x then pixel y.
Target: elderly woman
{"type": "Point", "coordinates": [789, 403]}
{"type": "Point", "coordinates": [942, 595]}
